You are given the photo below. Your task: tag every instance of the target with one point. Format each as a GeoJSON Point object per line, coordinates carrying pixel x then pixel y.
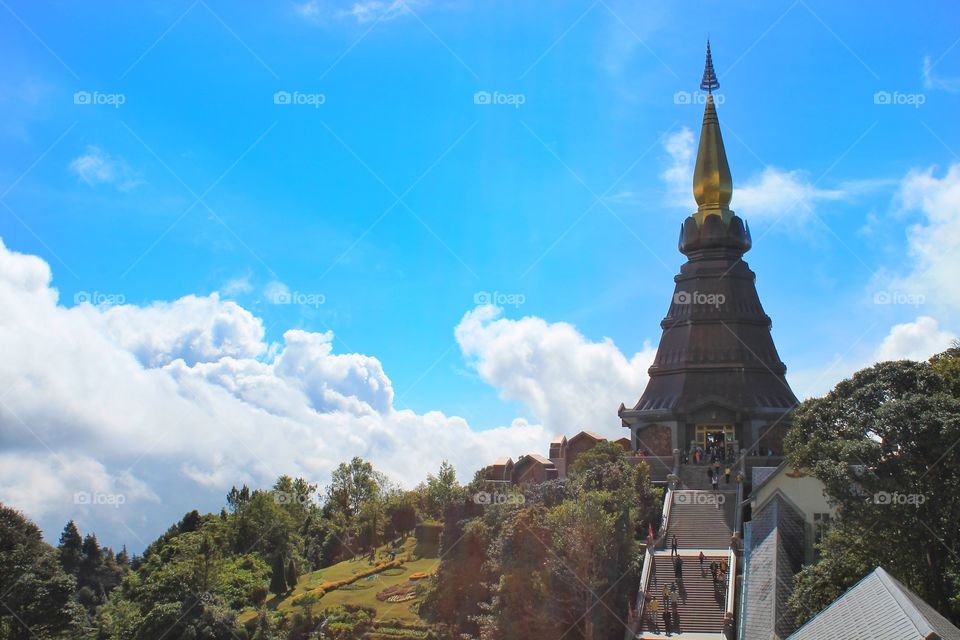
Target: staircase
{"type": "Point", "coordinates": [701, 521]}
{"type": "Point", "coordinates": [702, 601]}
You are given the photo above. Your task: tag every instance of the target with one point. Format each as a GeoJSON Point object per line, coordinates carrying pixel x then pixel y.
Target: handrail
{"type": "Point", "coordinates": [648, 560]}
{"type": "Point", "coordinates": [729, 613]}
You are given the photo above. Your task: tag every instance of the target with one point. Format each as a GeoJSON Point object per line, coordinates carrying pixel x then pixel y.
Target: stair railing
{"type": "Point", "coordinates": [648, 560]}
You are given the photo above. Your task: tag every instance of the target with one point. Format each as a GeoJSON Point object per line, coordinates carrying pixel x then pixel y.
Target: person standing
{"type": "Point", "coordinates": [678, 568]}
{"type": "Point", "coordinates": [654, 608]}
{"type": "Point", "coordinates": [726, 474]}
{"type": "Point", "coordinates": [674, 550]}
{"type": "Point", "coordinates": [702, 558]}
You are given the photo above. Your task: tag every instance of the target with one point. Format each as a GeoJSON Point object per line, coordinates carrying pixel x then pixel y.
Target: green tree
{"type": "Point", "coordinates": [291, 574]}
{"type": "Point", "coordinates": [278, 576]}
{"type": "Point", "coordinates": [37, 593]}
{"type": "Point", "coordinates": [442, 489]}
{"type": "Point", "coordinates": [352, 484]}
{"type": "Point", "coordinates": [71, 548]}
{"type": "Point", "coordinates": [882, 443]}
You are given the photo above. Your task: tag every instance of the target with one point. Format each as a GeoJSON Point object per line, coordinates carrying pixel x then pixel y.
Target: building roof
{"type": "Point", "coordinates": [762, 475]}
{"type": "Point", "coordinates": [589, 434]}
{"type": "Point", "coordinates": [502, 461]}
{"type": "Point", "coordinates": [537, 457]}
{"type": "Point", "coordinates": [559, 440]}
{"type": "Point", "coordinates": [878, 607]}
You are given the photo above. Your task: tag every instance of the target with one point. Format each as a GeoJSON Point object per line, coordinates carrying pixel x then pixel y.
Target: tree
{"type": "Point", "coordinates": [882, 443]}
{"type": "Point", "coordinates": [278, 577]}
{"type": "Point", "coordinates": [291, 575]}
{"type": "Point", "coordinates": [71, 548]}
{"type": "Point", "coordinates": [402, 513]}
{"type": "Point", "coordinates": [587, 563]}
{"type": "Point", "coordinates": [601, 455]}
{"type": "Point", "coordinates": [442, 489]}
{"type": "Point", "coordinates": [523, 603]}
{"type": "Point", "coordinates": [353, 484]}
{"type": "Point", "coordinates": [37, 593]}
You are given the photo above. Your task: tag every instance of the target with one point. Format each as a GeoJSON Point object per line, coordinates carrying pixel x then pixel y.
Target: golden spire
{"type": "Point", "coordinates": [712, 184]}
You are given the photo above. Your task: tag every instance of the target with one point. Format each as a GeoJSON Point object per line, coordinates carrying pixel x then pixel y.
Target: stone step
{"type": "Point", "coordinates": [702, 603]}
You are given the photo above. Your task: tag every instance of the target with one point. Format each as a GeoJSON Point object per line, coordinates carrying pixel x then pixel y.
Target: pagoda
{"type": "Point", "coordinates": [717, 377]}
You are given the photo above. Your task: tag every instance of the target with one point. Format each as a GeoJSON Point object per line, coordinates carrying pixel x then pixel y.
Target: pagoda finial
{"type": "Point", "coordinates": [712, 184]}
{"type": "Point", "coordinates": [709, 82]}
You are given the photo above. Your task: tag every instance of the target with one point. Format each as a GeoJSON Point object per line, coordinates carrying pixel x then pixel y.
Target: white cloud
{"type": "Point", "coordinates": [916, 340]}
{"type": "Point", "coordinates": [363, 12]}
{"type": "Point", "coordinates": [780, 194]}
{"type": "Point", "coordinates": [563, 379]}
{"type": "Point", "coordinates": [237, 286]}
{"type": "Point", "coordinates": [96, 166]}
{"type": "Point", "coordinates": [773, 194]}
{"type": "Point", "coordinates": [169, 404]}
{"type": "Point", "coordinates": [933, 243]}
{"type": "Point", "coordinates": [678, 176]}
{"type": "Point", "coordinates": [933, 81]}
{"type": "Point", "coordinates": [376, 10]}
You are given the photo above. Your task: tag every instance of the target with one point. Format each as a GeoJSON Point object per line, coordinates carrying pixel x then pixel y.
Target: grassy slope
{"type": "Point", "coordinates": [354, 595]}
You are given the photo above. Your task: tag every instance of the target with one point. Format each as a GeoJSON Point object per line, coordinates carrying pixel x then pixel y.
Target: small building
{"type": "Point", "coordinates": [789, 514]}
{"type": "Point", "coordinates": [878, 607]}
{"type": "Point", "coordinates": [802, 491]}
{"type": "Point", "coordinates": [580, 443]}
{"type": "Point", "coordinates": [500, 471]}
{"type": "Point", "coordinates": [558, 454]}
{"type": "Point", "coordinates": [532, 469]}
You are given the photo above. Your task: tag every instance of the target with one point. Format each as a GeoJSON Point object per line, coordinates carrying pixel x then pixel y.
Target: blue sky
{"type": "Point", "coordinates": [386, 210]}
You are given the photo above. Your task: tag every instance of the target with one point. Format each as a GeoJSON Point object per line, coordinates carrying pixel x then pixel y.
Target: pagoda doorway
{"type": "Point", "coordinates": [707, 436]}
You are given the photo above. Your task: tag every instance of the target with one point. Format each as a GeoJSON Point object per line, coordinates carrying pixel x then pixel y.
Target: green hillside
{"type": "Point", "coordinates": [398, 575]}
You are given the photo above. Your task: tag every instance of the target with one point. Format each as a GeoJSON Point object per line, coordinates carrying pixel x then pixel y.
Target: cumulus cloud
{"type": "Point", "coordinates": [170, 403]}
{"type": "Point", "coordinates": [916, 340]}
{"type": "Point", "coordinates": [771, 195]}
{"type": "Point", "coordinates": [95, 166]}
{"type": "Point", "coordinates": [777, 193]}
{"type": "Point", "coordinates": [566, 381]}
{"type": "Point", "coordinates": [933, 242]}
{"type": "Point", "coordinates": [678, 176]}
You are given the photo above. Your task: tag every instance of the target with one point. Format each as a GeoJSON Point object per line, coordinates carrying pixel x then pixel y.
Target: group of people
{"type": "Point", "coordinates": [713, 453]}
{"type": "Point", "coordinates": [713, 472]}
{"type": "Point", "coordinates": [718, 570]}
{"type": "Point", "coordinates": [671, 601]}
